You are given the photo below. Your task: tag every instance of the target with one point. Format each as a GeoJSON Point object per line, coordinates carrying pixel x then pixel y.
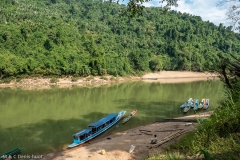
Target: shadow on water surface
{"type": "Point", "coordinates": [45, 136]}
{"type": "Point", "coordinates": [50, 135]}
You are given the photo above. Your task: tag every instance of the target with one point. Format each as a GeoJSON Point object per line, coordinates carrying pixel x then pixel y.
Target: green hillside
{"type": "Point", "coordinates": [83, 37]}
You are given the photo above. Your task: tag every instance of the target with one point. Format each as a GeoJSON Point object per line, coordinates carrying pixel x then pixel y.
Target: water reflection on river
{"type": "Point", "coordinates": [41, 121]}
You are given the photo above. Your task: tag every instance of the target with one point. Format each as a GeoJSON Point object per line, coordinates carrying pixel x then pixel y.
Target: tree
{"type": "Point", "coordinates": [81, 38]}
{"type": "Point", "coordinates": [233, 12]}
{"type": "Point", "coordinates": [135, 7]}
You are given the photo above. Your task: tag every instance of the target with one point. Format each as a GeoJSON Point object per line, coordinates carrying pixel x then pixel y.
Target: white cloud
{"type": "Point", "coordinates": [207, 9]}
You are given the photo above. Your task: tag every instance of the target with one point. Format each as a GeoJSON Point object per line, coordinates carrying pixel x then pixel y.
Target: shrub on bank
{"type": "Point", "coordinates": [218, 137]}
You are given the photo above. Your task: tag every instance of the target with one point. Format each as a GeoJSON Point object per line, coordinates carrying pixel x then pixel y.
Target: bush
{"type": "Point", "coordinates": [104, 78]}
{"type": "Point", "coordinates": [53, 80]}
{"type": "Point", "coordinates": [89, 78]}
{"type": "Point", "coordinates": [74, 79]}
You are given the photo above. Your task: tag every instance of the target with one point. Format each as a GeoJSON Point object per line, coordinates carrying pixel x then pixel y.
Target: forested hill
{"type": "Point", "coordinates": [83, 37]}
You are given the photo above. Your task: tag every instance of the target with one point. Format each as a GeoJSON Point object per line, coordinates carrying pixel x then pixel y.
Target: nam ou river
{"type": "Point", "coordinates": [42, 121]}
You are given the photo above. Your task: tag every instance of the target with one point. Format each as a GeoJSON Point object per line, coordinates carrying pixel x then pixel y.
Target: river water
{"type": "Point", "coordinates": [42, 121]}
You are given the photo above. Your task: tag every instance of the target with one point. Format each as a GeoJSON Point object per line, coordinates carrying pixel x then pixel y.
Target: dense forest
{"type": "Point", "coordinates": [92, 37]}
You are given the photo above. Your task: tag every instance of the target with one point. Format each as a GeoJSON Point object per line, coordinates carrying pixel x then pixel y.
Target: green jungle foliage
{"type": "Point", "coordinates": [90, 37]}
{"type": "Point", "coordinates": [217, 137]}
{"type": "Point", "coordinates": [220, 134]}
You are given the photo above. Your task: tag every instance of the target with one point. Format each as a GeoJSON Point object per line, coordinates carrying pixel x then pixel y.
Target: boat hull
{"type": "Point", "coordinates": [186, 109]}
{"type": "Point", "coordinates": [189, 102]}
{"type": "Point", "coordinates": [206, 105]}
{"type": "Point", "coordinates": [201, 104]}
{"type": "Point", "coordinates": [125, 120]}
{"type": "Point", "coordinates": [196, 105]}
{"type": "Point", "coordinates": [120, 115]}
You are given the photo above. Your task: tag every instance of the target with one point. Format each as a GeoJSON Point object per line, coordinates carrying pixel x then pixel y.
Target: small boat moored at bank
{"type": "Point", "coordinates": [196, 105]}
{"type": "Point", "coordinates": [201, 104]}
{"type": "Point", "coordinates": [186, 109]}
{"type": "Point", "coordinates": [129, 116]}
{"type": "Point", "coordinates": [184, 105]}
{"type": "Point", "coordinates": [96, 128]}
{"type": "Point", "coordinates": [189, 102]}
{"type": "Point", "coordinates": [206, 105]}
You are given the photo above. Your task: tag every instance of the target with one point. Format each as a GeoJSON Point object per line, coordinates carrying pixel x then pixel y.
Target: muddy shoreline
{"type": "Point", "coordinates": [159, 77]}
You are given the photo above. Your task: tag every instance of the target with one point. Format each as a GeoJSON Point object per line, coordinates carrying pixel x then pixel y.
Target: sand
{"type": "Point", "coordinates": [160, 77]}
{"type": "Point", "coordinates": [178, 76]}
{"type": "Point", "coordinates": [116, 146]}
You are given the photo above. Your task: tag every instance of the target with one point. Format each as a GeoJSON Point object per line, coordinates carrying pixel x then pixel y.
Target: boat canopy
{"type": "Point", "coordinates": [82, 132]}
{"type": "Point", "coordinates": [103, 120]}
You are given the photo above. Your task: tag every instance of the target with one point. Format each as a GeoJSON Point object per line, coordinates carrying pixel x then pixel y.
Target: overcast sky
{"type": "Point", "coordinates": [207, 9]}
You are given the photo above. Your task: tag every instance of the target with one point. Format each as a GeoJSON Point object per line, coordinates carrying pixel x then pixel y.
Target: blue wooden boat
{"type": "Point", "coordinates": [186, 109]}
{"type": "Point", "coordinates": [184, 105]}
{"type": "Point", "coordinates": [96, 128]}
{"type": "Point", "coordinates": [187, 103]}
{"type": "Point", "coordinates": [191, 102]}
{"type": "Point", "coordinates": [206, 105]}
{"type": "Point", "coordinates": [10, 154]}
{"type": "Point", "coordinates": [196, 105]}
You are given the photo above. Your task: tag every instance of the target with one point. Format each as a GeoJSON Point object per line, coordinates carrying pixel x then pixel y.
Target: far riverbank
{"type": "Point", "coordinates": [161, 77]}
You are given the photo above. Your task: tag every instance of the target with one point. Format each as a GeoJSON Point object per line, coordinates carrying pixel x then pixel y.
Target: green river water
{"type": "Point", "coordinates": [42, 121]}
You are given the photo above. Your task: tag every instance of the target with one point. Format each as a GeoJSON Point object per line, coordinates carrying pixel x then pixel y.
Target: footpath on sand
{"type": "Point", "coordinates": [116, 146]}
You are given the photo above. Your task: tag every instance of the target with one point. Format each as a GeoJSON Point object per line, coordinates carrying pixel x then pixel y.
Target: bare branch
{"type": "Point", "coordinates": [224, 2]}
{"type": "Point", "coordinates": [233, 12]}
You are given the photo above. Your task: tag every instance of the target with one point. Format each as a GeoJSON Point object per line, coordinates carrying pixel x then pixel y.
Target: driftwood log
{"type": "Point", "coordinates": [144, 130]}
{"type": "Point", "coordinates": [177, 120]}
{"type": "Point", "coordinates": [169, 130]}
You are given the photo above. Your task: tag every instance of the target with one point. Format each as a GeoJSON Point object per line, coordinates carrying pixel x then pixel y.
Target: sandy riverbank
{"type": "Point", "coordinates": [161, 77]}
{"type": "Point", "coordinates": [117, 145]}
